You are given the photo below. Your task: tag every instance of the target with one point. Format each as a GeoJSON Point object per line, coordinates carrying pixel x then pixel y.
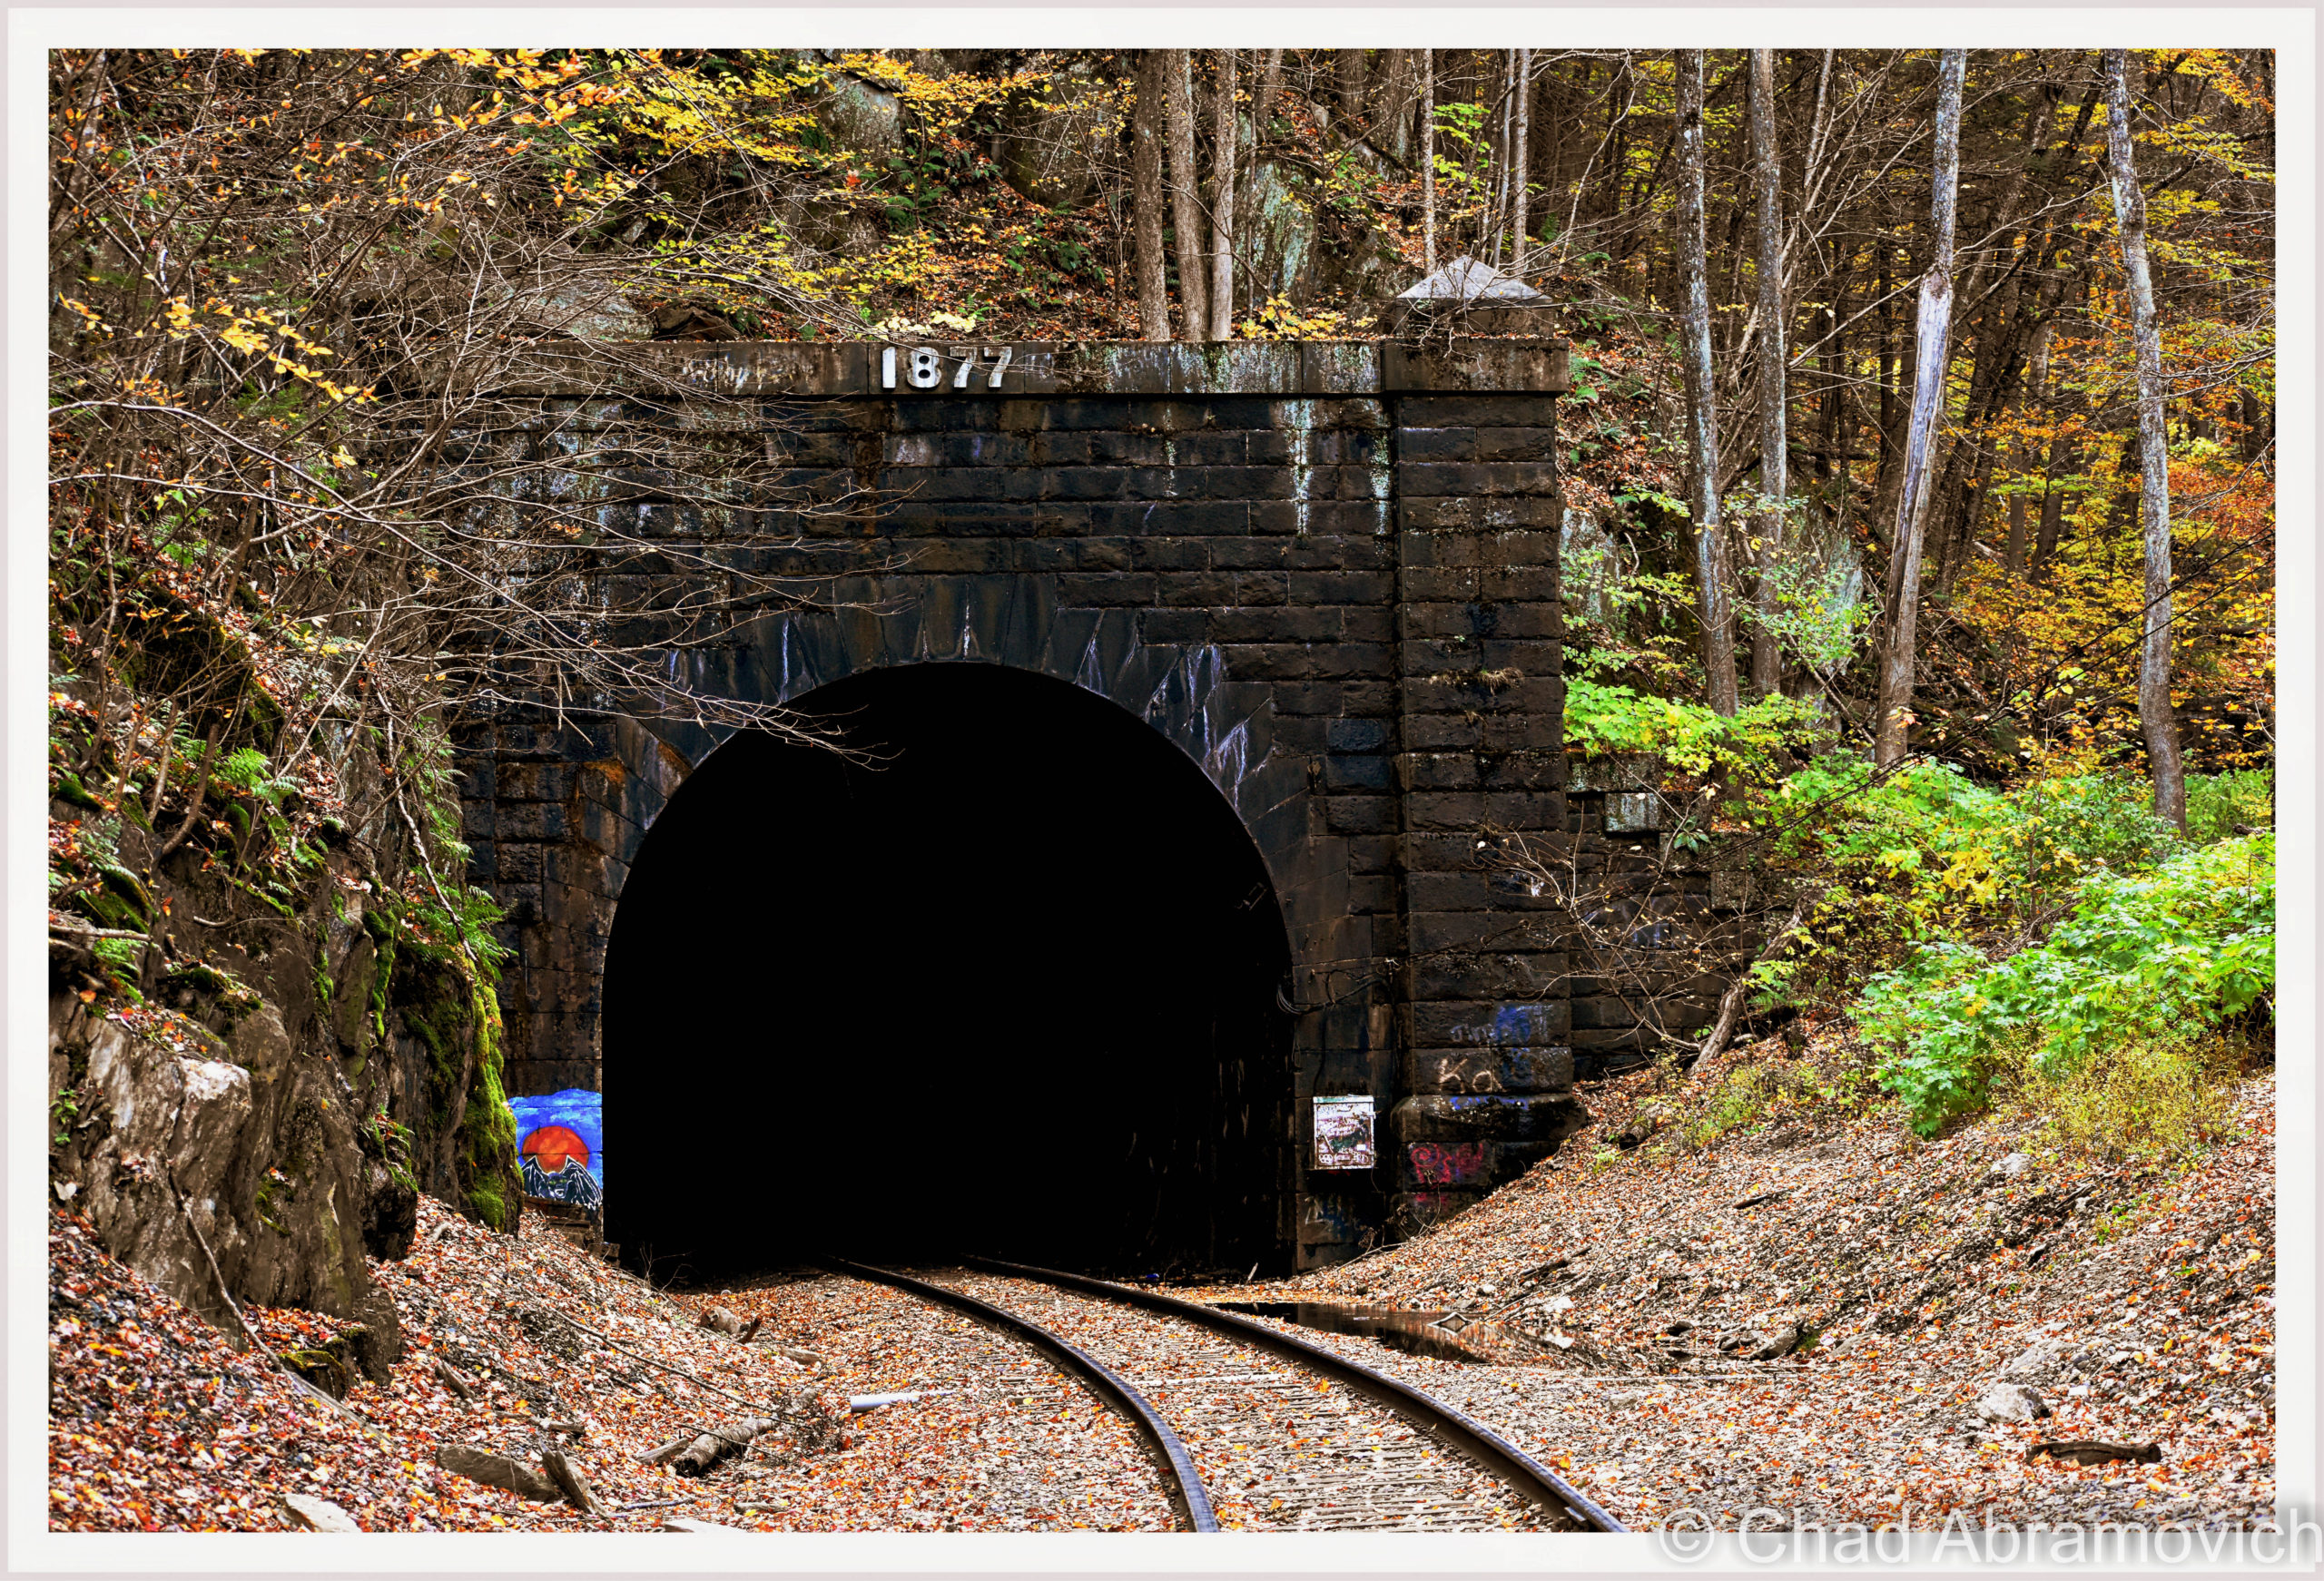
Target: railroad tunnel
{"type": "Point", "coordinates": [1003, 980]}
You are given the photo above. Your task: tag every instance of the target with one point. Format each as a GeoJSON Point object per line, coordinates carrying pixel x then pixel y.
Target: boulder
{"type": "Point", "coordinates": [496, 1470]}
{"type": "Point", "coordinates": [2038, 1362]}
{"type": "Point", "coordinates": [2010, 1403]}
{"type": "Point", "coordinates": [318, 1515]}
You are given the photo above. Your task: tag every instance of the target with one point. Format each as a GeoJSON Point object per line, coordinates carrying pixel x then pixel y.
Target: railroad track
{"type": "Point", "coordinates": [1257, 1430]}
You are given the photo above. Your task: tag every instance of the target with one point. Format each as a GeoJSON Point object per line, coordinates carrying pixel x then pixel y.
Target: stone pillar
{"type": "Point", "coordinates": [1487, 1020]}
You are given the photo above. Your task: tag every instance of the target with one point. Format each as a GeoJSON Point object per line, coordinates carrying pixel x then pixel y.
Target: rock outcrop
{"type": "Point", "coordinates": [249, 1121]}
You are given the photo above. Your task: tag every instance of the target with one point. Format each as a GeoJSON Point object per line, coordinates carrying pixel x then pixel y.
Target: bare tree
{"type": "Point", "coordinates": [1186, 199]}
{"type": "Point", "coordinates": [1222, 202]}
{"type": "Point", "coordinates": [1775, 481]}
{"type": "Point", "coordinates": [2156, 720]}
{"type": "Point", "coordinates": [1428, 161]}
{"type": "Point", "coordinates": [1712, 575]}
{"type": "Point", "coordinates": [1931, 332]}
{"type": "Point", "coordinates": [1518, 159]}
{"type": "Point", "coordinates": [1145, 195]}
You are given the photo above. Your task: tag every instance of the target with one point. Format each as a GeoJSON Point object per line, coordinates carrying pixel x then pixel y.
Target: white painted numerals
{"type": "Point", "coordinates": [924, 366]}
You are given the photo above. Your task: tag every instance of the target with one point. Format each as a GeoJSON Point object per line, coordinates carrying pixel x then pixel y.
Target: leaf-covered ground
{"type": "Point", "coordinates": [158, 1424]}
{"type": "Point", "coordinates": [2137, 1302]}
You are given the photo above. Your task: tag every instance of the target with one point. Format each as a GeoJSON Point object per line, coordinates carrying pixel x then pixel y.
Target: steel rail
{"type": "Point", "coordinates": [1433, 1416]}
{"type": "Point", "coordinates": [1185, 1483]}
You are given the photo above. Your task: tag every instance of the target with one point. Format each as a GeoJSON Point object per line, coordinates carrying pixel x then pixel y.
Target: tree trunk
{"type": "Point", "coordinates": [722, 1442]}
{"type": "Point", "coordinates": [1428, 161]}
{"type": "Point", "coordinates": [1775, 481]}
{"type": "Point", "coordinates": [1187, 228]}
{"type": "Point", "coordinates": [1222, 204]}
{"type": "Point", "coordinates": [1347, 72]}
{"type": "Point", "coordinates": [1896, 365]}
{"type": "Point", "coordinates": [1998, 362]}
{"type": "Point", "coordinates": [1712, 576]}
{"type": "Point", "coordinates": [1931, 331]}
{"type": "Point", "coordinates": [1520, 159]}
{"type": "Point", "coordinates": [1263, 107]}
{"type": "Point", "coordinates": [1391, 104]}
{"type": "Point", "coordinates": [1147, 198]}
{"type": "Point", "coordinates": [2054, 504]}
{"type": "Point", "coordinates": [2013, 554]}
{"type": "Point", "coordinates": [2160, 724]}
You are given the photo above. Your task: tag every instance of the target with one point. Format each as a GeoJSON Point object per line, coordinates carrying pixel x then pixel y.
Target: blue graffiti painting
{"type": "Point", "coordinates": [571, 1184]}
{"type": "Point", "coordinates": [561, 1146]}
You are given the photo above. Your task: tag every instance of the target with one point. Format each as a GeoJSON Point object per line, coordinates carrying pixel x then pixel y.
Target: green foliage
{"type": "Point", "coordinates": [1687, 736]}
{"type": "Point", "coordinates": [1815, 621]}
{"type": "Point", "coordinates": [248, 768]}
{"type": "Point", "coordinates": [1926, 855]}
{"type": "Point", "coordinates": [119, 956]}
{"type": "Point", "coordinates": [2217, 803]}
{"type": "Point", "coordinates": [2143, 957]}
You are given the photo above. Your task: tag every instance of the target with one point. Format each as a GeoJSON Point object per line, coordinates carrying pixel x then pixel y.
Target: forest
{"type": "Point", "coordinates": [1919, 472]}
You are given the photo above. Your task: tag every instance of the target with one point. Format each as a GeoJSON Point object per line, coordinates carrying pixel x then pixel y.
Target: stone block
{"type": "Point", "coordinates": [1325, 1219]}
{"type": "Point", "coordinates": [1357, 735]}
{"type": "Point", "coordinates": [1442, 1165]}
{"type": "Point", "coordinates": [1469, 1024]}
{"type": "Point", "coordinates": [1469, 1071]}
{"type": "Point", "coordinates": [1500, 1117]}
{"type": "Point", "coordinates": [1412, 1212]}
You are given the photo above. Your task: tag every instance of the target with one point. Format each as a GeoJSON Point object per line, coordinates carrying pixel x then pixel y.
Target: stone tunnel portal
{"type": "Point", "coordinates": [1006, 982]}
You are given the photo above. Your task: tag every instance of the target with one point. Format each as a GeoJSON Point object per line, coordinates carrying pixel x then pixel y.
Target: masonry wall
{"type": "Point", "coordinates": [1330, 573]}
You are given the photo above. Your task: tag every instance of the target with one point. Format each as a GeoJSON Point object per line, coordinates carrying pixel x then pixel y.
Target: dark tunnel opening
{"type": "Point", "coordinates": [1012, 991]}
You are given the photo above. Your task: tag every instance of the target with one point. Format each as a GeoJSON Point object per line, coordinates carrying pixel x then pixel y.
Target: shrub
{"type": "Point", "coordinates": [2217, 803]}
{"type": "Point", "coordinates": [1925, 858]}
{"type": "Point", "coordinates": [2140, 958]}
{"type": "Point", "coordinates": [2146, 1097]}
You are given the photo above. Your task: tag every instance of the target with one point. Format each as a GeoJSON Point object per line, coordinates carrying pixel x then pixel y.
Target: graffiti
{"type": "Point", "coordinates": [1513, 1026]}
{"type": "Point", "coordinates": [1447, 1163]}
{"type": "Point", "coordinates": [1344, 1133]}
{"type": "Point", "coordinates": [571, 1184]}
{"type": "Point", "coordinates": [561, 1146]}
{"type": "Point", "coordinates": [1507, 1070]}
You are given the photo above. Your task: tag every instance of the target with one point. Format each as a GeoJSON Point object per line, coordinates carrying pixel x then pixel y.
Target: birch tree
{"type": "Point", "coordinates": [1146, 197]}
{"type": "Point", "coordinates": [1932, 330]}
{"type": "Point", "coordinates": [1712, 575]}
{"type": "Point", "coordinates": [2156, 719]}
{"type": "Point", "coordinates": [1519, 161]}
{"type": "Point", "coordinates": [1222, 202]}
{"type": "Point", "coordinates": [1774, 460]}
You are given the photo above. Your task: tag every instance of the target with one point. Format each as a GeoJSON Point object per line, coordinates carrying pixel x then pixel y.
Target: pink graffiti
{"type": "Point", "coordinates": [1447, 1163]}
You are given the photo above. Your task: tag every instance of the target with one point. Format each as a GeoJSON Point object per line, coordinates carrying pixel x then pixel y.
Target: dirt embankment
{"type": "Point", "coordinates": [1821, 1310]}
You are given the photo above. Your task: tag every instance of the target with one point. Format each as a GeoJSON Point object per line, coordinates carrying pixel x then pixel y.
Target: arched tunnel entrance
{"type": "Point", "coordinates": [1009, 989]}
